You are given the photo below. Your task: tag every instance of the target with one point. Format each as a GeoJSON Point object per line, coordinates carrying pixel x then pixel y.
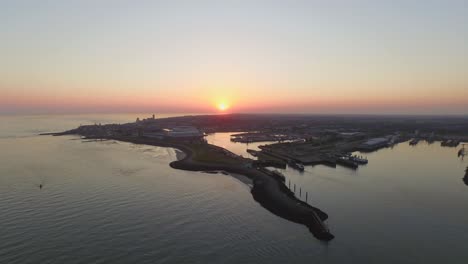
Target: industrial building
{"type": "Point", "coordinates": [374, 143]}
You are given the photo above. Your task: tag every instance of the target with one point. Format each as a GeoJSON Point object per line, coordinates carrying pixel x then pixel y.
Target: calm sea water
{"type": "Point", "coordinates": [115, 202]}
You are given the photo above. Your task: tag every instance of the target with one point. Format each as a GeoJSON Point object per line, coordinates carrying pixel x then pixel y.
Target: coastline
{"type": "Point", "coordinates": [244, 179]}
{"type": "Point", "coordinates": [270, 192]}
{"type": "Point", "coordinates": [180, 155]}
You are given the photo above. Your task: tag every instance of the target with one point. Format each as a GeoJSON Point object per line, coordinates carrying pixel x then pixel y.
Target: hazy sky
{"type": "Point", "coordinates": [255, 56]}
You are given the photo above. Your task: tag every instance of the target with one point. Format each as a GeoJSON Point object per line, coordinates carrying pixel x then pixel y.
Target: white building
{"type": "Point", "coordinates": [183, 131]}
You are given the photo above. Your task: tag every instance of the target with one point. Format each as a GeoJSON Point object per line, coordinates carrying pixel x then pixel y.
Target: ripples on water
{"type": "Point", "coordinates": [115, 202]}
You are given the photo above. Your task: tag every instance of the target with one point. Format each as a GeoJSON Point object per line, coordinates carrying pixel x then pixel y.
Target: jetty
{"type": "Point", "coordinates": [268, 188]}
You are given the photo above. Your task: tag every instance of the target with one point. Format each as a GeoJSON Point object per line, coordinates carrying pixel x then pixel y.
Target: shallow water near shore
{"type": "Point", "coordinates": [115, 202]}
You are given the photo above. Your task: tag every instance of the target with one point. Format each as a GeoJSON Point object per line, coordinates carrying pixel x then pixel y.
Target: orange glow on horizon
{"type": "Point", "coordinates": [39, 102]}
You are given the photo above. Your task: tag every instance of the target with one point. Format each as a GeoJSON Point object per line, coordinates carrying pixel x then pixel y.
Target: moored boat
{"type": "Point", "coordinates": [358, 159]}
{"type": "Point", "coordinates": [414, 141]}
{"type": "Point", "coordinates": [296, 165]}
{"type": "Point", "coordinates": [347, 162]}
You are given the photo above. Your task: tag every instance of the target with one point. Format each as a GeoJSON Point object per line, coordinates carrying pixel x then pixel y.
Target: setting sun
{"type": "Point", "coordinates": [222, 106]}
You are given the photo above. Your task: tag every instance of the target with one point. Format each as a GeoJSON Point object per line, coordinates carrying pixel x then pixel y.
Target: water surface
{"type": "Point", "coordinates": [408, 205]}
{"type": "Point", "coordinates": [115, 202]}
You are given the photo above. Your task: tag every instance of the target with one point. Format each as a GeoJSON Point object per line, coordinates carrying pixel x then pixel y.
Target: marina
{"type": "Point", "coordinates": [379, 192]}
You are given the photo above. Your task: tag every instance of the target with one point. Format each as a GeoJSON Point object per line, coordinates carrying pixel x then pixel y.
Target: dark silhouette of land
{"type": "Point", "coordinates": [302, 139]}
{"type": "Point", "coordinates": [269, 191]}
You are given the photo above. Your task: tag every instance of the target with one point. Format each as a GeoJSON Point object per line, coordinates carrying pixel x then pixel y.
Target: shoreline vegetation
{"type": "Point", "coordinates": [270, 192]}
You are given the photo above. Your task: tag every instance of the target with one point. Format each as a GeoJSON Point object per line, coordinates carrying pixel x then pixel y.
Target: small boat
{"type": "Point", "coordinates": [299, 166]}
{"type": "Point", "coordinates": [461, 152]}
{"type": "Point", "coordinates": [347, 162]}
{"type": "Point", "coordinates": [296, 165]}
{"type": "Point", "coordinates": [414, 141]}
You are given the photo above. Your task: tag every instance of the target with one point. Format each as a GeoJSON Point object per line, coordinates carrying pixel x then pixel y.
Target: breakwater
{"type": "Point", "coordinates": [269, 191]}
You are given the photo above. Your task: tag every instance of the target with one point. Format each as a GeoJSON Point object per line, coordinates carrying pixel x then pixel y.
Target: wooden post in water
{"type": "Point", "coordinates": [306, 196]}
{"type": "Point", "coordinates": [289, 184]}
{"type": "Point", "coordinates": [294, 188]}
{"type": "Point", "coordinates": [300, 191]}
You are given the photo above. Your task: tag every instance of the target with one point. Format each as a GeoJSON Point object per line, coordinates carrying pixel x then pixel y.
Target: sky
{"type": "Point", "coordinates": [359, 57]}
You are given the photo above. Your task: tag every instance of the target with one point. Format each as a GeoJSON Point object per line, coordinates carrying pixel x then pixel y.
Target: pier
{"type": "Point", "coordinates": [319, 223]}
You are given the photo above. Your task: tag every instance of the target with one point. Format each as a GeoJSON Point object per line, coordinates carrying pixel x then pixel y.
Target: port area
{"type": "Point", "coordinates": [251, 137]}
{"type": "Point", "coordinates": [268, 189]}
{"type": "Point", "coordinates": [302, 140]}
{"type": "Point", "coordinates": [314, 152]}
